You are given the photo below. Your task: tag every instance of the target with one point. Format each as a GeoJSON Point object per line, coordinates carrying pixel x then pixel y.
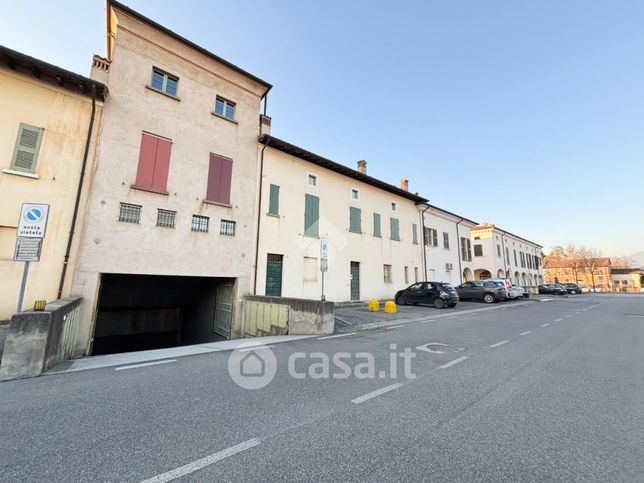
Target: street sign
{"type": "Point", "coordinates": [33, 220]}
{"type": "Point", "coordinates": [27, 249]}
{"type": "Point", "coordinates": [324, 249]}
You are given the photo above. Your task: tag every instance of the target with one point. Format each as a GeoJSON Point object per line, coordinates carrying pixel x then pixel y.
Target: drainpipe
{"type": "Point", "coordinates": [259, 212]}
{"type": "Point", "coordinates": [505, 261]}
{"type": "Point", "coordinates": [422, 239]}
{"type": "Point", "coordinates": [458, 245]}
{"type": "Point", "coordinates": [79, 192]}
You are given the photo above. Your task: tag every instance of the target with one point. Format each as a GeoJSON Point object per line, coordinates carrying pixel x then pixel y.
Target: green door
{"type": "Point", "coordinates": [274, 275]}
{"type": "Point", "coordinates": [355, 280]}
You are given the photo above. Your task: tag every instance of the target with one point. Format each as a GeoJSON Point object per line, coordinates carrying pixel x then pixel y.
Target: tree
{"type": "Point", "coordinates": [574, 256]}
{"type": "Point", "coordinates": [621, 262]}
{"type": "Point", "coordinates": [590, 263]}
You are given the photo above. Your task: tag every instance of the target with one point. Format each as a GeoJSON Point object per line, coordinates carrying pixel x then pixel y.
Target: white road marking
{"type": "Point", "coordinates": [145, 364]}
{"type": "Point", "coordinates": [376, 393]}
{"type": "Point", "coordinates": [393, 327]}
{"type": "Point", "coordinates": [260, 346]}
{"type": "Point", "coordinates": [336, 335]}
{"type": "Point", "coordinates": [569, 315]}
{"type": "Point", "coordinates": [454, 362]}
{"type": "Point", "coordinates": [558, 320]}
{"type": "Point", "coordinates": [526, 332]}
{"type": "Point", "coordinates": [544, 325]}
{"type": "Point", "coordinates": [203, 462]}
{"type": "Point", "coordinates": [499, 344]}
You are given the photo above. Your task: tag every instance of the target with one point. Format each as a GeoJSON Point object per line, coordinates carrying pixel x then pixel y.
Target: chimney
{"type": "Point", "coordinates": [362, 166]}
{"type": "Point", "coordinates": [100, 69]}
{"type": "Point", "coordinates": [404, 184]}
{"type": "Point", "coordinates": [264, 125]}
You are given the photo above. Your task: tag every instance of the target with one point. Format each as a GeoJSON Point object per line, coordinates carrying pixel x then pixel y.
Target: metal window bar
{"type": "Point", "coordinates": [129, 213]}
{"type": "Point", "coordinates": [227, 227]}
{"type": "Point", "coordinates": [166, 218]}
{"type": "Point", "coordinates": [200, 223]}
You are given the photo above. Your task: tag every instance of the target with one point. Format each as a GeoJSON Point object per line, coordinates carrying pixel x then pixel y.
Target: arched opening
{"type": "Point", "coordinates": [524, 279]}
{"type": "Point", "coordinates": [500, 274]}
{"type": "Point", "coordinates": [517, 279]}
{"type": "Point", "coordinates": [482, 274]}
{"type": "Point", "coordinates": [467, 275]}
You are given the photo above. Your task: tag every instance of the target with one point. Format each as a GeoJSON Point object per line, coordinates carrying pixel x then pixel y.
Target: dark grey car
{"type": "Point", "coordinates": [488, 292]}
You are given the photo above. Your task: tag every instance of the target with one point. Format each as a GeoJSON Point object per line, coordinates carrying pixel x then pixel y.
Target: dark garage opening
{"type": "Point", "coordinates": [142, 312]}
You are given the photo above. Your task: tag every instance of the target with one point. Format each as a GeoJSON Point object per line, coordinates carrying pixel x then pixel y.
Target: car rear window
{"type": "Point", "coordinates": [499, 284]}
{"type": "Point", "coordinates": [447, 286]}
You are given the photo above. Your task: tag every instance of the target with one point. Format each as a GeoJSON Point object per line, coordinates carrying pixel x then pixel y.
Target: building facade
{"type": "Point", "coordinates": [373, 229]}
{"type": "Point", "coordinates": [48, 130]}
{"type": "Point", "coordinates": [627, 280]}
{"type": "Point", "coordinates": [167, 250]}
{"type": "Point", "coordinates": [592, 273]}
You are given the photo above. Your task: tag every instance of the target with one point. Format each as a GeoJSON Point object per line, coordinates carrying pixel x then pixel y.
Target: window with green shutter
{"type": "Point", "coordinates": [311, 216]}
{"type": "Point", "coordinates": [376, 225]}
{"type": "Point", "coordinates": [274, 200]}
{"type": "Point", "coordinates": [394, 228]}
{"type": "Point", "coordinates": [414, 233]}
{"type": "Point", "coordinates": [355, 220]}
{"type": "Point", "coordinates": [25, 154]}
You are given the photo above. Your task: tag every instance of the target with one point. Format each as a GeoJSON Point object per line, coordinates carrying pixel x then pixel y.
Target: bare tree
{"type": "Point", "coordinates": [590, 263]}
{"type": "Point", "coordinates": [621, 262]}
{"type": "Point", "coordinates": [574, 256]}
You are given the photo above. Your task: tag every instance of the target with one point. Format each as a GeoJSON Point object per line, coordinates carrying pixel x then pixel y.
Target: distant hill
{"type": "Point", "coordinates": [637, 259]}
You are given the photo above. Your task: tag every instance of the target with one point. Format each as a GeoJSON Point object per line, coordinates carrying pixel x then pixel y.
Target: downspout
{"type": "Point", "coordinates": [505, 261]}
{"type": "Point", "coordinates": [422, 240]}
{"type": "Point", "coordinates": [259, 213]}
{"type": "Point", "coordinates": [458, 245]}
{"type": "Point", "coordinates": [79, 192]}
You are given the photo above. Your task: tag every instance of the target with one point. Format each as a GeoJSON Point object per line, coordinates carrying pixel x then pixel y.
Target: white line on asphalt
{"type": "Point", "coordinates": [526, 332]}
{"type": "Point", "coordinates": [569, 315]}
{"type": "Point", "coordinates": [203, 462]}
{"type": "Point", "coordinates": [499, 344]}
{"type": "Point", "coordinates": [336, 335]}
{"type": "Point", "coordinates": [393, 327]}
{"type": "Point", "coordinates": [246, 349]}
{"type": "Point", "coordinates": [376, 393]}
{"type": "Point", "coordinates": [545, 325]}
{"type": "Point", "coordinates": [454, 362]}
{"type": "Point", "coordinates": [145, 364]}
{"type": "Point", "coordinates": [558, 320]}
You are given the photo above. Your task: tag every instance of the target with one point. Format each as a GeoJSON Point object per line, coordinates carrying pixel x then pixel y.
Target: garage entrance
{"type": "Point", "coordinates": [142, 312]}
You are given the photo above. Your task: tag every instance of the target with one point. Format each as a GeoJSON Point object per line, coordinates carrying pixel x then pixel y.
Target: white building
{"type": "Point", "coordinates": [373, 228]}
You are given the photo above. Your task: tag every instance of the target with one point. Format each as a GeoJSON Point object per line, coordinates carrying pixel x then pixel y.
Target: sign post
{"type": "Point", "coordinates": [31, 232]}
{"type": "Point", "coordinates": [324, 262]}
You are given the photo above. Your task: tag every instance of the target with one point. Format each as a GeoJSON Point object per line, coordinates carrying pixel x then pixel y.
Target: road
{"type": "Point", "coordinates": [547, 391]}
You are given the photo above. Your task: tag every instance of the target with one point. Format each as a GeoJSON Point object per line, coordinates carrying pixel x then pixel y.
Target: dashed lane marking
{"type": "Point", "coordinates": [526, 332]}
{"type": "Point", "coordinates": [544, 325]}
{"type": "Point", "coordinates": [499, 344]}
{"type": "Point", "coordinates": [558, 320]}
{"type": "Point", "coordinates": [454, 362]}
{"type": "Point", "coordinates": [376, 393]}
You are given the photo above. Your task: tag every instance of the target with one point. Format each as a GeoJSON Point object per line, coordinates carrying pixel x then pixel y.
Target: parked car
{"type": "Point", "coordinates": [439, 294]}
{"type": "Point", "coordinates": [552, 288]}
{"type": "Point", "coordinates": [516, 292]}
{"type": "Point", "coordinates": [485, 290]}
{"type": "Point", "coordinates": [571, 288]}
{"type": "Point", "coordinates": [506, 283]}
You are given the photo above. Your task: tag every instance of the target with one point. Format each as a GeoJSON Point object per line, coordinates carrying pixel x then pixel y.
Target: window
{"type": "Point", "coordinates": [515, 257]}
{"type": "Point", "coordinates": [355, 220]}
{"type": "Point", "coordinates": [355, 194]}
{"type": "Point", "coordinates": [393, 206]}
{"type": "Point", "coordinates": [129, 213]}
{"type": "Point", "coordinates": [154, 163]}
{"type": "Point", "coordinates": [274, 264]}
{"type": "Point", "coordinates": [394, 229]}
{"type": "Point", "coordinates": [507, 255]}
{"type": "Point", "coordinates": [415, 274]}
{"type": "Point", "coordinates": [25, 153]}
{"type": "Point", "coordinates": [431, 237]}
{"type": "Point", "coordinates": [446, 240]}
{"type": "Point", "coordinates": [478, 250]}
{"type": "Point", "coordinates": [477, 237]}
{"type": "Point", "coordinates": [414, 234]}
{"type": "Point", "coordinates": [274, 200]}
{"type": "Point", "coordinates": [498, 250]}
{"type": "Point", "coordinates": [220, 172]}
{"type": "Point", "coordinates": [522, 256]}
{"type": "Point", "coordinates": [387, 273]}
{"type": "Point", "coordinates": [227, 227]}
{"type": "Point", "coordinates": [312, 180]}
{"type": "Point", "coordinates": [225, 108]}
{"type": "Point", "coordinates": [310, 269]}
{"type": "Point", "coordinates": [200, 223]}
{"type": "Point", "coordinates": [311, 216]}
{"type": "Point", "coordinates": [406, 275]}
{"type": "Point", "coordinates": [166, 218]}
{"type": "Point", "coordinates": [466, 249]}
{"type": "Point", "coordinates": [164, 82]}
{"type": "Point", "coordinates": [376, 225]}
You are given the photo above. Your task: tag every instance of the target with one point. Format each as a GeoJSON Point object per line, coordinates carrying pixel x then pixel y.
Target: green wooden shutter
{"type": "Point", "coordinates": [274, 200]}
{"type": "Point", "coordinates": [311, 215]}
{"type": "Point", "coordinates": [27, 147]}
{"type": "Point", "coordinates": [376, 225]}
{"type": "Point", "coordinates": [355, 220]}
{"type": "Point", "coordinates": [414, 229]}
{"type": "Point", "coordinates": [394, 228]}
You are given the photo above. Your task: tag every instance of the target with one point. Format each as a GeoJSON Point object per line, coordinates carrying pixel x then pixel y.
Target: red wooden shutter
{"type": "Point", "coordinates": [162, 165]}
{"type": "Point", "coordinates": [219, 179]}
{"type": "Point", "coordinates": [147, 156]}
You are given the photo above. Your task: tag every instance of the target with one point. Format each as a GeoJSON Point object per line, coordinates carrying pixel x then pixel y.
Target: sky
{"type": "Point", "coordinates": [526, 114]}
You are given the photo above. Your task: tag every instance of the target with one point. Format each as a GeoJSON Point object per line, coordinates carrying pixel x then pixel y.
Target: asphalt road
{"type": "Point", "coordinates": [546, 391]}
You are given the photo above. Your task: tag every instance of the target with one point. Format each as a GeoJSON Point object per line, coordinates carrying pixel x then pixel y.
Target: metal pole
{"type": "Point", "coordinates": [23, 284]}
{"type": "Point", "coordinates": [322, 298]}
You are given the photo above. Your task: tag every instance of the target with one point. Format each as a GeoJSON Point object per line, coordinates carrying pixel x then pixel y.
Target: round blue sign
{"type": "Point", "coordinates": [34, 215]}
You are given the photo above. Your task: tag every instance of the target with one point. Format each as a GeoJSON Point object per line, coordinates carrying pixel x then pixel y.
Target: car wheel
{"type": "Point", "coordinates": [573, 292]}
{"type": "Point", "coordinates": [401, 300]}
{"type": "Point", "coordinates": [452, 305]}
{"type": "Point", "coordinates": [439, 303]}
{"type": "Point", "coordinates": [488, 298]}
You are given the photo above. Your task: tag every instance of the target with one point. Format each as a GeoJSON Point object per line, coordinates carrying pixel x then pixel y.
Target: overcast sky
{"type": "Point", "coordinates": [526, 114]}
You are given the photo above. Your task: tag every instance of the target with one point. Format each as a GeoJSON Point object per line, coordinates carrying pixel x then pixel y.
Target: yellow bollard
{"type": "Point", "coordinates": [390, 307]}
{"type": "Point", "coordinates": [374, 305]}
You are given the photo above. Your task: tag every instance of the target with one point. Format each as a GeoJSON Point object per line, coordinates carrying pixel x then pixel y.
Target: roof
{"type": "Point", "coordinates": [487, 226]}
{"type": "Point", "coordinates": [183, 40]}
{"type": "Point", "coordinates": [50, 73]}
{"type": "Point", "coordinates": [566, 263]}
{"type": "Point", "coordinates": [626, 271]}
{"type": "Point", "coordinates": [301, 153]}
{"type": "Point", "coordinates": [453, 214]}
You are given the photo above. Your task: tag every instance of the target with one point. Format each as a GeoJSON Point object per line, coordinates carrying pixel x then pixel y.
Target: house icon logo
{"type": "Point", "coordinates": [252, 365]}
